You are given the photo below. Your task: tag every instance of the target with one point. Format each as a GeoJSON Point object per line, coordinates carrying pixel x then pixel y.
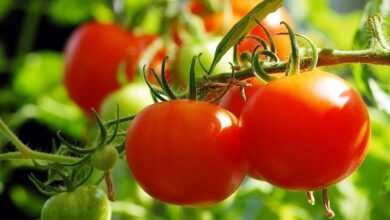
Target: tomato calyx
{"type": "Point", "coordinates": [103, 156]}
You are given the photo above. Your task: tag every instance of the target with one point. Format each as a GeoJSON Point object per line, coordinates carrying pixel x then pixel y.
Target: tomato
{"type": "Point", "coordinates": [306, 131]}
{"type": "Point", "coordinates": [207, 48]}
{"type": "Point", "coordinates": [214, 23]}
{"type": "Point", "coordinates": [105, 158]}
{"type": "Point", "coordinates": [86, 202]}
{"type": "Point", "coordinates": [131, 99]}
{"type": "Point", "coordinates": [186, 152]}
{"type": "Point", "coordinates": [233, 101]}
{"type": "Point", "coordinates": [92, 56]}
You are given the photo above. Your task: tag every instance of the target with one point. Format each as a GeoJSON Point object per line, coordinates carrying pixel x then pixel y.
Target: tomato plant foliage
{"type": "Point", "coordinates": [297, 131]}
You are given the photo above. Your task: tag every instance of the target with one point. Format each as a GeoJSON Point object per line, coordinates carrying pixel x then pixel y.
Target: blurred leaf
{"type": "Point", "coordinates": [152, 21]}
{"type": "Point", "coordinates": [102, 12]}
{"type": "Point", "coordinates": [127, 210]}
{"type": "Point", "coordinates": [5, 7]}
{"type": "Point", "coordinates": [338, 28]}
{"type": "Point", "coordinates": [61, 115]}
{"type": "Point", "coordinates": [3, 58]}
{"type": "Point", "coordinates": [39, 81]}
{"type": "Point", "coordinates": [28, 201]}
{"type": "Point", "coordinates": [40, 73]}
{"type": "Point", "coordinates": [382, 99]}
{"type": "Point", "coordinates": [71, 12]}
{"type": "Point", "coordinates": [386, 182]}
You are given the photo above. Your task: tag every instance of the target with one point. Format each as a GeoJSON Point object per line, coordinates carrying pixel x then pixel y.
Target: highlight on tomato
{"type": "Point", "coordinates": [311, 131]}
{"type": "Point", "coordinates": [186, 152]}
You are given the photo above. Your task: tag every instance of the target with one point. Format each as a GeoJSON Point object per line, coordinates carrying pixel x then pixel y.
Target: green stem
{"type": "Point", "coordinates": [24, 152]}
{"type": "Point", "coordinates": [11, 156]}
{"type": "Point", "coordinates": [28, 31]}
{"type": "Point", "coordinates": [326, 57]}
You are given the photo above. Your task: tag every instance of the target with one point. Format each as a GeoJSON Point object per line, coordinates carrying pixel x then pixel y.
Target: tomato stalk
{"type": "Point", "coordinates": [326, 203]}
{"type": "Point", "coordinates": [310, 198]}
{"type": "Point", "coordinates": [377, 53]}
{"type": "Point", "coordinates": [24, 152]}
{"type": "Point", "coordinates": [109, 185]}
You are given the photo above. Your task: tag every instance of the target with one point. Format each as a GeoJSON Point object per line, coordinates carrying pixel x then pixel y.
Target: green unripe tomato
{"type": "Point", "coordinates": [207, 48]}
{"type": "Point", "coordinates": [105, 158]}
{"type": "Point", "coordinates": [131, 99]}
{"type": "Point", "coordinates": [86, 202]}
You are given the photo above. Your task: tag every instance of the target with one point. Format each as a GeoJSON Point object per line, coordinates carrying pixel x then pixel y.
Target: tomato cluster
{"type": "Point", "coordinates": [303, 132]}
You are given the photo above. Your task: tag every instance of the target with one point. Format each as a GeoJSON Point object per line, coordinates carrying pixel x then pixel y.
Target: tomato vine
{"type": "Point", "coordinates": [377, 53]}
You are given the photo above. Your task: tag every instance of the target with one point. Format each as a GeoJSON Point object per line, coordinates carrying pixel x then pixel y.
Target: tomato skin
{"type": "Point", "coordinates": [233, 101]}
{"type": "Point", "coordinates": [312, 131]}
{"type": "Point", "coordinates": [86, 202]}
{"type": "Point", "coordinates": [105, 158]}
{"type": "Point", "coordinates": [186, 152]}
{"type": "Point", "coordinates": [131, 99]}
{"type": "Point", "coordinates": [92, 55]}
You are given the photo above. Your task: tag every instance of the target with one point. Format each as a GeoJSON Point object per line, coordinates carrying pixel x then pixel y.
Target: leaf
{"type": "Point", "coordinates": [5, 7]}
{"type": "Point", "coordinates": [382, 98]}
{"type": "Point", "coordinates": [41, 72]}
{"type": "Point", "coordinates": [386, 182]}
{"type": "Point", "coordinates": [372, 7]}
{"type": "Point", "coordinates": [241, 28]}
{"type": "Point", "coordinates": [65, 12]}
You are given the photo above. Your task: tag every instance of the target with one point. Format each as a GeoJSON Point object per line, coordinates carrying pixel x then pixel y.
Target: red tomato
{"type": "Point", "coordinates": [92, 55]}
{"type": "Point", "coordinates": [186, 152]}
{"type": "Point", "coordinates": [233, 101]}
{"type": "Point", "coordinates": [305, 132]}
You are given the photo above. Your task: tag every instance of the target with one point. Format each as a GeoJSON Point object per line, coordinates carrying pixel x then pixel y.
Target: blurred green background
{"type": "Point", "coordinates": [34, 103]}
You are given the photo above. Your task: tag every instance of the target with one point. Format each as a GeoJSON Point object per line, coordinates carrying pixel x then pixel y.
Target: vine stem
{"type": "Point", "coordinates": [326, 57]}
{"type": "Point", "coordinates": [24, 152]}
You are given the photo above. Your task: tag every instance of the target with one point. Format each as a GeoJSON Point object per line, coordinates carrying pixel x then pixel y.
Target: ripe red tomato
{"type": "Point", "coordinates": [92, 56]}
{"type": "Point", "coordinates": [233, 101]}
{"type": "Point", "coordinates": [305, 132]}
{"type": "Point", "coordinates": [186, 152]}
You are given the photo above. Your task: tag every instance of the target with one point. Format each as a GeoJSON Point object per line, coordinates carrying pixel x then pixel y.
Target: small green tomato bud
{"type": "Point", "coordinates": [105, 158]}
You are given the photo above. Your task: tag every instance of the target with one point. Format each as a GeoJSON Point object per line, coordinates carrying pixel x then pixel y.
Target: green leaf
{"type": "Point", "coordinates": [372, 7]}
{"type": "Point", "coordinates": [3, 59]}
{"type": "Point", "coordinates": [5, 7]}
{"type": "Point", "coordinates": [67, 12]}
{"type": "Point", "coordinates": [386, 182]}
{"type": "Point", "coordinates": [41, 72]}
{"type": "Point", "coordinates": [241, 28]}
